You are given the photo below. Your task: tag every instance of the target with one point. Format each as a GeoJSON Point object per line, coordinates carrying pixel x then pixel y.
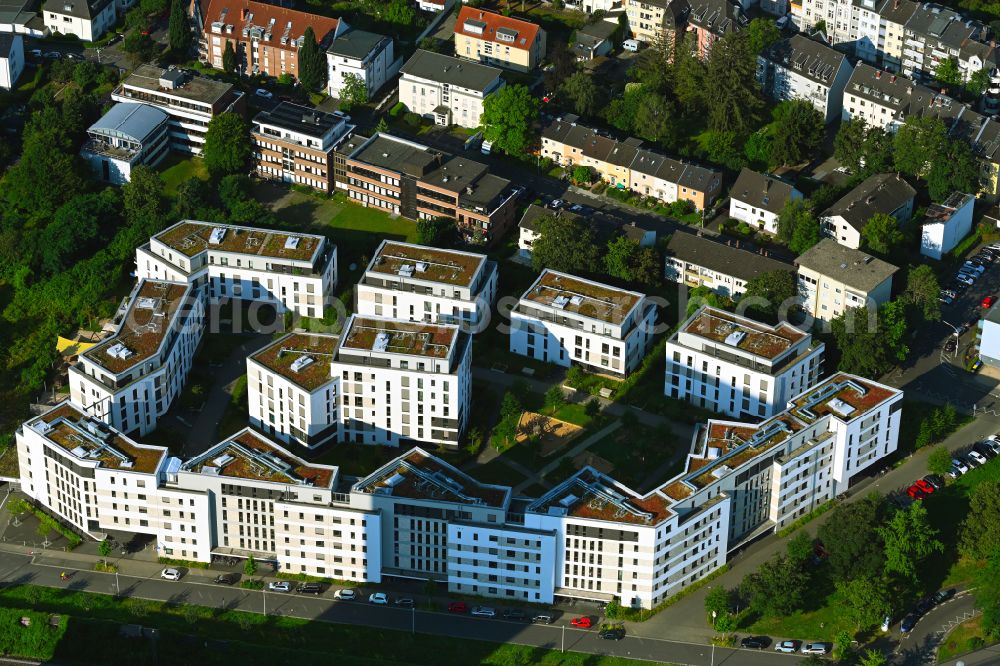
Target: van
{"type": "Point", "coordinates": [781, 22]}
{"type": "Point", "coordinates": [309, 588]}
{"type": "Point", "coordinates": [486, 147]}
{"type": "Point", "coordinates": [631, 45]}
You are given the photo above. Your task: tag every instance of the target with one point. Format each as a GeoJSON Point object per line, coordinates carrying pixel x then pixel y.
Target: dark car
{"type": "Point", "coordinates": [227, 579]}
{"type": "Point", "coordinates": [541, 619]}
{"type": "Point", "coordinates": [910, 621]}
{"type": "Point", "coordinates": [514, 615]}
{"type": "Point", "coordinates": [404, 602]}
{"type": "Point", "coordinates": [612, 632]}
{"type": "Point", "coordinates": [755, 642]}
{"type": "Point", "coordinates": [309, 588]}
{"type": "Point", "coordinates": [936, 481]}
{"type": "Point", "coordinates": [984, 449]}
{"type": "Point", "coordinates": [924, 605]}
{"type": "Point", "coordinates": [943, 595]}
{"type": "Point", "coordinates": [458, 607]}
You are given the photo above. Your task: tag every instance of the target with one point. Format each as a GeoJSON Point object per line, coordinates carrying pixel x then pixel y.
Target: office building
{"type": "Point", "coordinates": [126, 136]}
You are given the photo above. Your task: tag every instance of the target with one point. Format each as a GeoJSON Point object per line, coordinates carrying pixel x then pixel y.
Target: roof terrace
{"type": "Point", "coordinates": [743, 333]}
{"type": "Point", "coordinates": [303, 358]}
{"type": "Point", "coordinates": [419, 475]}
{"type": "Point", "coordinates": [399, 337]}
{"type": "Point", "coordinates": [247, 455]}
{"type": "Point", "coordinates": [583, 297]}
{"type": "Point", "coordinates": [144, 326]}
{"type": "Point", "coordinates": [191, 237]}
{"type": "Point", "coordinates": [426, 263]}
{"type": "Point", "coordinates": [845, 396]}
{"type": "Point", "coordinates": [590, 494]}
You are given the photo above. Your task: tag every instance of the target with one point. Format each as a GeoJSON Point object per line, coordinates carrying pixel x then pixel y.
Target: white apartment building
{"type": "Point", "coordinates": [130, 379]}
{"type": "Point", "coordinates": [758, 199]}
{"type": "Point", "coordinates": [725, 268]}
{"type": "Point", "coordinates": [290, 392]}
{"type": "Point", "coordinates": [833, 278]}
{"type": "Point", "coordinates": [363, 54]}
{"type": "Point", "coordinates": [946, 224]}
{"type": "Point", "coordinates": [87, 19]}
{"type": "Point", "coordinates": [879, 98]}
{"type": "Point", "coordinates": [292, 271]}
{"type": "Point", "coordinates": [564, 319]}
{"type": "Point", "coordinates": [738, 366]}
{"type": "Point", "coordinates": [805, 69]}
{"type": "Point", "coordinates": [11, 59]}
{"type": "Point", "coordinates": [189, 100]}
{"type": "Point", "coordinates": [418, 283]}
{"type": "Point", "coordinates": [402, 381]}
{"type": "Point", "coordinates": [871, 29]}
{"type": "Point", "coordinates": [882, 193]}
{"type": "Point", "coordinates": [449, 90]}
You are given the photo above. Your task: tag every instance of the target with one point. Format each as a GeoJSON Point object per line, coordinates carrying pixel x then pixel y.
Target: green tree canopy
{"type": "Point", "coordinates": [939, 460]}
{"type": "Point", "coordinates": [566, 245]}
{"type": "Point", "coordinates": [732, 94]}
{"type": "Point", "coordinates": [949, 74]}
{"type": "Point", "coordinates": [851, 538]}
{"type": "Point", "coordinates": [143, 202]}
{"type": "Point", "coordinates": [987, 591]}
{"type": "Point", "coordinates": [798, 226]}
{"type": "Point", "coordinates": [78, 229]}
{"type": "Point", "coordinates": [866, 601]}
{"type": "Point", "coordinates": [178, 31]}
{"type": "Point", "coordinates": [354, 92]}
{"type": "Point", "coordinates": [583, 91]}
{"type": "Point", "coordinates": [765, 293]}
{"type": "Point", "coordinates": [798, 132]}
{"type": "Point", "coordinates": [227, 144]}
{"type": "Point", "coordinates": [881, 234]}
{"type": "Point", "coordinates": [508, 117]}
{"type": "Point", "coordinates": [909, 540]}
{"type": "Point", "coordinates": [688, 74]}
{"type": "Point", "coordinates": [626, 260]}
{"type": "Point", "coordinates": [437, 232]}
{"type": "Point", "coordinates": [399, 12]}
{"type": "Point", "coordinates": [980, 533]}
{"type": "Point", "coordinates": [656, 119]}
{"type": "Point", "coordinates": [229, 62]}
{"type": "Point", "coordinates": [779, 587]}
{"type": "Point", "coordinates": [954, 169]}
{"type": "Point", "coordinates": [918, 142]}
{"type": "Point", "coordinates": [922, 290]}
{"type": "Point", "coordinates": [312, 62]}
{"type": "Point", "coordinates": [763, 33]}
{"type": "Point", "coordinates": [978, 83]}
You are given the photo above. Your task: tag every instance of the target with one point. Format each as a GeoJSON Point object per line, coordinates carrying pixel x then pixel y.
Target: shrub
{"type": "Point", "coordinates": [412, 119]}
{"type": "Point", "coordinates": [397, 109]}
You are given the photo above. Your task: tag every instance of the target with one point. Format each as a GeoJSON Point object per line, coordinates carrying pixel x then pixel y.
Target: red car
{"type": "Point", "coordinates": [458, 607]}
{"type": "Point", "coordinates": [582, 622]}
{"type": "Point", "coordinates": [988, 302]}
{"type": "Point", "coordinates": [916, 493]}
{"type": "Point", "coordinates": [924, 486]}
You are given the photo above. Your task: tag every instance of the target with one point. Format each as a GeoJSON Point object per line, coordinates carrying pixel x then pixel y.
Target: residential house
{"type": "Point", "coordinates": [885, 193]}
{"type": "Point", "coordinates": [362, 54]}
{"type": "Point", "coordinates": [606, 227]}
{"type": "Point", "coordinates": [946, 224]}
{"type": "Point", "coordinates": [593, 40]}
{"type": "Point", "coordinates": [805, 69]}
{"type": "Point", "coordinates": [11, 59]}
{"type": "Point", "coordinates": [710, 20]}
{"type": "Point", "coordinates": [498, 40]}
{"type": "Point", "coordinates": [87, 19]}
{"type": "Point", "coordinates": [758, 199]}
{"type": "Point", "coordinates": [834, 278]}
{"type": "Point", "coordinates": [449, 90]}
{"type": "Point", "coordinates": [725, 268]}
{"type": "Point", "coordinates": [655, 21]}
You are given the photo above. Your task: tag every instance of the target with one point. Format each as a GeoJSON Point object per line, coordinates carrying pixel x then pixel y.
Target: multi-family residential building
{"type": "Point", "coordinates": [359, 53]}
{"type": "Point", "coordinates": [402, 381]}
{"type": "Point", "coordinates": [591, 6]}
{"type": "Point", "coordinates": [725, 268]}
{"type": "Point", "coordinates": [130, 379]}
{"type": "Point", "coordinates": [934, 33]}
{"type": "Point", "coordinates": [568, 143]}
{"type": "Point", "coordinates": [738, 366]}
{"type": "Point", "coordinates": [711, 20]}
{"type": "Point", "coordinates": [871, 30]}
{"type": "Point", "coordinates": [449, 90]}
{"type": "Point", "coordinates": [805, 69]}
{"type": "Point", "coordinates": [290, 392]}
{"type": "Point", "coordinates": [418, 182]}
{"type": "Point", "coordinates": [418, 283]}
{"type": "Point", "coordinates": [87, 19]}
{"type": "Point", "coordinates": [296, 144]}
{"type": "Point", "coordinates": [21, 17]}
{"type": "Point", "coordinates": [883, 193]}
{"type": "Point", "coordinates": [291, 271]}
{"type": "Point", "coordinates": [879, 98]}
{"type": "Point", "coordinates": [987, 340]}
{"type": "Point", "coordinates": [495, 39]}
{"type": "Point", "coordinates": [758, 199]}
{"type": "Point", "coordinates": [127, 135]}
{"type": "Point", "coordinates": [946, 224]}
{"type": "Point", "coordinates": [834, 277]}
{"type": "Point", "coordinates": [266, 38]}
{"type": "Point", "coordinates": [189, 100]}
{"type": "Point", "coordinates": [655, 21]}
{"type": "Point", "coordinates": [606, 227]}
{"type": "Point", "coordinates": [566, 320]}
{"type": "Point", "coordinates": [11, 59]}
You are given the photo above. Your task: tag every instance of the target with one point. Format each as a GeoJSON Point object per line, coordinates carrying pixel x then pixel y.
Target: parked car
{"type": "Point", "coordinates": [582, 622]}
{"type": "Point", "coordinates": [226, 579]}
{"type": "Point", "coordinates": [988, 302]}
{"type": "Point", "coordinates": [787, 646]}
{"type": "Point", "coordinates": [924, 486]}
{"type": "Point", "coordinates": [74, 56]}
{"type": "Point", "coordinates": [612, 632]}
{"type": "Point", "coordinates": [976, 457]}
{"type": "Point", "coordinates": [279, 586]}
{"type": "Point", "coordinates": [964, 279]}
{"type": "Point", "coordinates": [345, 595]}
{"type": "Point", "coordinates": [170, 574]}
{"type": "Point", "coordinates": [954, 472]}
{"type": "Point", "coordinates": [924, 605]}
{"type": "Point", "coordinates": [942, 596]}
{"type": "Point", "coordinates": [993, 444]}
{"type": "Point", "coordinates": [951, 345]}
{"type": "Point", "coordinates": [484, 611]}
{"type": "Point", "coordinates": [35, 53]}
{"type": "Point", "coordinates": [910, 621]}
{"type": "Point", "coordinates": [309, 588]}
{"type": "Point", "coordinates": [947, 300]}
{"type": "Point", "coordinates": [514, 615]}
{"type": "Point", "coordinates": [755, 642]}
{"type": "Point", "coordinates": [378, 598]}
{"type": "Point", "coordinates": [972, 267]}
{"type": "Point", "coordinates": [266, 94]}
{"type": "Point", "coordinates": [984, 449]}
{"type": "Point", "coordinates": [53, 55]}
{"type": "Point", "coordinates": [458, 607]}
{"type": "Point", "coordinates": [404, 602]}
{"type": "Point", "coordinates": [934, 480]}
{"type": "Point", "coordinates": [556, 204]}
{"type": "Point", "coordinates": [916, 493]}
{"type": "Point", "coordinates": [541, 619]}
{"type": "Point", "coordinates": [960, 465]}
{"type": "Point", "coordinates": [816, 648]}
{"type": "Point", "coordinates": [486, 147]}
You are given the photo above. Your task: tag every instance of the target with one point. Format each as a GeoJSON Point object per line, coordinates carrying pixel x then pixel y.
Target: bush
{"type": "Point", "coordinates": [397, 109]}
{"type": "Point", "coordinates": [412, 119]}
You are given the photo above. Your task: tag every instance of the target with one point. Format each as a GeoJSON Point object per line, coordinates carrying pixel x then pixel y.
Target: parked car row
{"type": "Point", "coordinates": [791, 647]}
{"type": "Point", "coordinates": [967, 275]}
{"type": "Point", "coordinates": [979, 454]}
{"type": "Point", "coordinates": [928, 485]}
{"type": "Point", "coordinates": [922, 607]}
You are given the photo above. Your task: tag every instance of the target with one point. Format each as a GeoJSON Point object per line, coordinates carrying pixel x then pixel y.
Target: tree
{"type": "Point", "coordinates": [919, 141]}
{"type": "Point", "coordinates": [227, 144]}
{"type": "Point", "coordinates": [178, 30]}
{"type": "Point", "coordinates": [47, 157]}
{"type": "Point", "coordinates": [354, 91]}
{"type": "Point", "coordinates": [939, 460]}
{"type": "Point", "coordinates": [954, 169]}
{"type": "Point", "coordinates": [987, 591]}
{"type": "Point", "coordinates": [779, 587]}
{"type": "Point", "coordinates": [621, 111]}
{"type": "Point", "coordinates": [234, 189]}
{"type": "Point", "coordinates": [655, 119]}
{"type": "Point", "coordinates": [795, 213]}
{"type": "Point", "coordinates": [980, 534]}
{"type": "Point", "coordinates": [250, 566]}
{"type": "Point", "coordinates": [104, 548]}
{"type": "Point", "coordinates": [921, 293]}
{"type": "Point", "coordinates": [800, 548]}
{"type": "Point", "coordinates": [510, 414]}
{"type": "Point", "coordinates": [312, 62]}
{"type": "Point", "coordinates": [848, 145]}
{"type": "Point", "coordinates": [806, 234]}
{"type": "Point", "coordinates": [763, 33]}
{"type": "Point", "coordinates": [688, 75]}
{"type": "Point", "coordinates": [881, 234]}
{"type": "Point", "coordinates": [565, 245]}
{"type": "Point", "coordinates": [655, 64]}
{"type": "Point", "coordinates": [582, 175]}
{"type": "Point", "coordinates": [138, 46]}
{"type": "Point", "coordinates": [229, 62]}
{"type": "Point", "coordinates": [399, 12]}
{"type": "Point", "coordinates": [909, 540]}
{"type": "Point", "coordinates": [758, 148]}
{"type": "Point", "coordinates": [717, 601]}
{"type": "Point", "coordinates": [851, 539]}
{"type": "Point", "coordinates": [580, 88]}
{"type": "Point", "coordinates": [382, 127]}
{"type": "Point", "coordinates": [775, 288]}
{"type": "Point", "coordinates": [554, 397]}
{"type": "Point", "coordinates": [142, 200]}
{"type": "Point", "coordinates": [865, 600]}
{"type": "Point", "coordinates": [873, 658]}
{"type": "Point", "coordinates": [978, 83]}
{"type": "Point", "coordinates": [508, 116]}
{"type": "Point", "coordinates": [437, 232]}
{"type": "Point", "coordinates": [948, 74]}
{"type": "Point", "coordinates": [617, 259]}
{"type": "Point", "coordinates": [798, 132]}
{"type": "Point", "coordinates": [78, 229]}
{"type": "Point", "coordinates": [732, 93]}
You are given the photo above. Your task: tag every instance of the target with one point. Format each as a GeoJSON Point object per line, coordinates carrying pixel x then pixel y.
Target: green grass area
{"type": "Point", "coordinates": [966, 637]}
{"type": "Point", "coordinates": [29, 633]}
{"type": "Point", "coordinates": [196, 635]}
{"type": "Point", "coordinates": [823, 622]}
{"type": "Point", "coordinates": [177, 168]}
{"type": "Point", "coordinates": [636, 451]}
{"type": "Point", "coordinates": [357, 459]}
{"type": "Point", "coordinates": [497, 472]}
{"type": "Point", "coordinates": [234, 418]}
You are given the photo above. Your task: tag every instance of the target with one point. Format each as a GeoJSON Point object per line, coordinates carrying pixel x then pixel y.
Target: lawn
{"type": "Point", "coordinates": [496, 472]}
{"type": "Point", "coordinates": [177, 168]}
{"type": "Point", "coordinates": [636, 451]}
{"type": "Point", "coordinates": [196, 635]}
{"type": "Point", "coordinates": [357, 459]}
{"type": "Point", "coordinates": [966, 637]}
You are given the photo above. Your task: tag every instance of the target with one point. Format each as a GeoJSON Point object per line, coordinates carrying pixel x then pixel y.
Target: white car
{"type": "Point", "coordinates": [965, 279]}
{"type": "Point", "coordinates": [170, 574]}
{"type": "Point", "coordinates": [266, 94]}
{"type": "Point", "coordinates": [379, 598]}
{"type": "Point", "coordinates": [959, 465]}
{"type": "Point", "coordinates": [279, 586]}
{"type": "Point", "coordinates": [483, 611]}
{"type": "Point", "coordinates": [787, 646]}
{"type": "Point", "coordinates": [976, 457]}
{"type": "Point", "coordinates": [345, 595]}
{"type": "Point", "coordinates": [815, 648]}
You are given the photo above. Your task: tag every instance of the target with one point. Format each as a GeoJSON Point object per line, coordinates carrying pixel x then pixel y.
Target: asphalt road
{"type": "Point", "coordinates": [196, 587]}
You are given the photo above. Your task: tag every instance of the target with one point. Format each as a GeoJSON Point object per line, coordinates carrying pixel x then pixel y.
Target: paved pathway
{"type": "Point", "coordinates": [537, 477]}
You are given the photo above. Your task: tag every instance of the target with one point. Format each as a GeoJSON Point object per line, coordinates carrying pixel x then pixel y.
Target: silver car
{"type": "Point", "coordinates": [816, 648]}
{"type": "Point", "coordinates": [484, 611]}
